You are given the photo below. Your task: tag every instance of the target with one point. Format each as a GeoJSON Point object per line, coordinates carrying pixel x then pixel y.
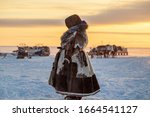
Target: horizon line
{"type": "Point", "coordinates": [85, 47]}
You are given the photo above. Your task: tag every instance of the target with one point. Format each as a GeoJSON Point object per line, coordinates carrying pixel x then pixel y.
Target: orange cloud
{"type": "Point", "coordinates": [29, 22]}
{"type": "Point", "coordinates": [133, 13]}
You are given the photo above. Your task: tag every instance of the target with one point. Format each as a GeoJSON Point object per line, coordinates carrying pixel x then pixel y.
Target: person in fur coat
{"type": "Point", "coordinates": [72, 74]}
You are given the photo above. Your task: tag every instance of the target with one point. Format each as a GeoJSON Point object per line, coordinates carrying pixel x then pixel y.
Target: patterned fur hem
{"type": "Point", "coordinates": [77, 94]}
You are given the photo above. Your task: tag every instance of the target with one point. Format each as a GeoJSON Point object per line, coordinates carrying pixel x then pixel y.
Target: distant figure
{"type": "Point", "coordinates": [72, 74]}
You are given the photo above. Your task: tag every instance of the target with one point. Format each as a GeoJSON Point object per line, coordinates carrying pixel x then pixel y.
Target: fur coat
{"type": "Point", "coordinates": [74, 74]}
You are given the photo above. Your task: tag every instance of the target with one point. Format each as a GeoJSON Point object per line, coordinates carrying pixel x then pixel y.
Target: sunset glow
{"type": "Point", "coordinates": [121, 22]}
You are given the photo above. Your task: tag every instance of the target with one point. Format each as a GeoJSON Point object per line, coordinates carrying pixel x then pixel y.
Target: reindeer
{"type": "Point", "coordinates": [22, 53]}
{"type": "Point", "coordinates": [107, 51]}
{"type": "Point", "coordinates": [92, 52]}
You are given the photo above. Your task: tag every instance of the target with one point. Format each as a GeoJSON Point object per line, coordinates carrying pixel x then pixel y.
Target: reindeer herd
{"type": "Point", "coordinates": [102, 51]}
{"type": "Point", "coordinates": [106, 51]}
{"type": "Point", "coordinates": [26, 51]}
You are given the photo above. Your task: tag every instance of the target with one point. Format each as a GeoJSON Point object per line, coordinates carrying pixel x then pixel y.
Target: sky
{"type": "Point", "coordinates": [32, 22]}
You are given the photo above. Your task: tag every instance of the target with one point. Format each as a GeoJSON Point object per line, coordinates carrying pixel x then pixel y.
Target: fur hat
{"type": "Point", "coordinates": [72, 20]}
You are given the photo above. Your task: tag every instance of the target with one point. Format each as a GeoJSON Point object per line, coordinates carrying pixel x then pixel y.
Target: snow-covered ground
{"type": "Point", "coordinates": [119, 78]}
